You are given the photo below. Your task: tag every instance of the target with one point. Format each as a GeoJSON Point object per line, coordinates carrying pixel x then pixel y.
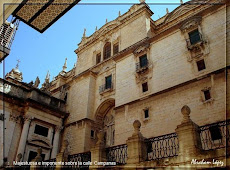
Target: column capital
{"type": "Point", "coordinates": [27, 118]}
{"type": "Point", "coordinates": [58, 128]}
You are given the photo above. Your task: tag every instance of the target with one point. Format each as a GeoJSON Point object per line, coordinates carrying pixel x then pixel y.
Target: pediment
{"type": "Point", "coordinates": [105, 29]}
{"type": "Point", "coordinates": [179, 11]}
{"type": "Point", "coordinates": [40, 143]}
{"type": "Point", "coordinates": [191, 23]}
{"type": "Point", "coordinates": [141, 49]}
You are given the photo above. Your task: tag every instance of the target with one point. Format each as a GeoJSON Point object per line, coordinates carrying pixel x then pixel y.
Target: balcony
{"type": "Point", "coordinates": [194, 41]}
{"type": "Point", "coordinates": [142, 66]}
{"type": "Point", "coordinates": [105, 88]}
{"type": "Point", "coordinates": [7, 33]}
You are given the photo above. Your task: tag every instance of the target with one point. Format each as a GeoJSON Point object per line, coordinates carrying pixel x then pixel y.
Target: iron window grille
{"type": "Point", "coordinates": [215, 136]}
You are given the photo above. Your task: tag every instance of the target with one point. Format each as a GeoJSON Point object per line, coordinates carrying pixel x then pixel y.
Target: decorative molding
{"type": "Point", "coordinates": [27, 118]}
{"type": "Point", "coordinates": [58, 128]}
{"type": "Point", "coordinates": [191, 23]}
{"type": "Point", "coordinates": [15, 118]}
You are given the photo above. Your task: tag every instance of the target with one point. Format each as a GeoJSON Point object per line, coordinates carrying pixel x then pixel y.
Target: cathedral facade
{"type": "Point", "coordinates": [143, 93]}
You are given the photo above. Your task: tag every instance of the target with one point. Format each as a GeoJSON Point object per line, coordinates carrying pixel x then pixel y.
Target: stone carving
{"type": "Point", "coordinates": [31, 83]}
{"type": "Point", "coordinates": [100, 136]}
{"type": "Point", "coordinates": [38, 158]}
{"type": "Point", "coordinates": [19, 157]}
{"type": "Point", "coordinates": [109, 127]}
{"type": "Point", "coordinates": [14, 118]}
{"type": "Point", "coordinates": [46, 84]}
{"type": "Point", "coordinates": [37, 82]}
{"type": "Point", "coordinates": [191, 23]}
{"type": "Point", "coordinates": [5, 88]}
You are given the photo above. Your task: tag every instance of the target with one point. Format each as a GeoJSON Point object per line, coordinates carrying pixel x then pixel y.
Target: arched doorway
{"type": "Point", "coordinates": [105, 119]}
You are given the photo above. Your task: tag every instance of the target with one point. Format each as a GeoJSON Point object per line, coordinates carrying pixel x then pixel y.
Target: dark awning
{"type": "Point", "coordinates": [41, 14]}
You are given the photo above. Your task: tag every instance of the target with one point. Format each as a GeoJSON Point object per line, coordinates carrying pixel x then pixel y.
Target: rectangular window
{"type": "Point", "coordinates": [92, 133]}
{"type": "Point", "coordinates": [146, 113]}
{"type": "Point", "coordinates": [201, 65]}
{"type": "Point", "coordinates": [41, 130]}
{"type": "Point", "coordinates": [115, 48]}
{"type": "Point", "coordinates": [144, 87]}
{"type": "Point", "coordinates": [194, 37]}
{"type": "Point", "coordinates": [143, 61]}
{"type": "Point", "coordinates": [215, 133]}
{"type": "Point", "coordinates": [33, 154]}
{"type": "Point", "coordinates": [207, 94]}
{"type": "Point", "coordinates": [98, 58]}
{"type": "Point", "coordinates": [108, 82]}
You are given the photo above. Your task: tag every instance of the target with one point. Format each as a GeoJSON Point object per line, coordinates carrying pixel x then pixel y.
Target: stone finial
{"type": "Point", "coordinates": [106, 21]}
{"type": "Point", "coordinates": [142, 1]}
{"type": "Point", "coordinates": [84, 34]}
{"type": "Point", "coordinates": [100, 136]}
{"type": "Point", "coordinates": [137, 126]}
{"type": "Point", "coordinates": [167, 10]}
{"type": "Point", "coordinates": [19, 157]}
{"type": "Point", "coordinates": [37, 82]}
{"type": "Point", "coordinates": [46, 84]}
{"type": "Point", "coordinates": [47, 76]}
{"type": "Point", "coordinates": [96, 28]}
{"type": "Point", "coordinates": [181, 1]}
{"type": "Point", "coordinates": [17, 65]}
{"type": "Point", "coordinates": [186, 113]}
{"type": "Point", "coordinates": [119, 14]}
{"type": "Point", "coordinates": [65, 65]}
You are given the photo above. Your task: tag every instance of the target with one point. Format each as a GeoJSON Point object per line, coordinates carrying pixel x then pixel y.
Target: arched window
{"type": "Point", "coordinates": [107, 50]}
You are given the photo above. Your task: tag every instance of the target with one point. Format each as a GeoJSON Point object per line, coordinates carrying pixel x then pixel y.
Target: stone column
{"type": "Point", "coordinates": [189, 137]}
{"type": "Point", "coordinates": [24, 134]}
{"type": "Point", "coordinates": [56, 142]}
{"type": "Point", "coordinates": [98, 151]}
{"type": "Point", "coordinates": [136, 146]}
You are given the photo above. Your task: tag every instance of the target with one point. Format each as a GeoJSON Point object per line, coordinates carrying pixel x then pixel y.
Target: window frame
{"type": "Point", "coordinates": [205, 67]}
{"type": "Point", "coordinates": [42, 127]}
{"type": "Point", "coordinates": [107, 50]}
{"type": "Point", "coordinates": [142, 85]}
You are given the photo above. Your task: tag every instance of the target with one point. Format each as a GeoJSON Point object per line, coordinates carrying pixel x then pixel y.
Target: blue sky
{"type": "Point", "coordinates": [39, 53]}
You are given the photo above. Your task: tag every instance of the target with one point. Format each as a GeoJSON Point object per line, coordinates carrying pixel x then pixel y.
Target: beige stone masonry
{"type": "Point", "coordinates": [136, 147]}
{"type": "Point", "coordinates": [189, 138]}
{"type": "Point", "coordinates": [98, 152]}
